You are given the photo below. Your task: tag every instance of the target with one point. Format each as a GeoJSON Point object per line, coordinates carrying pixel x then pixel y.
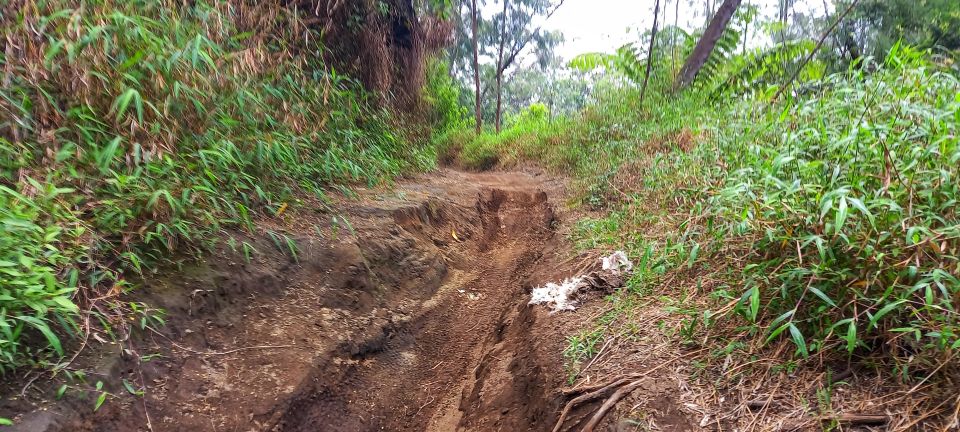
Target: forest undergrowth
{"type": "Point", "coordinates": [785, 238]}
{"type": "Point", "coordinates": [793, 212]}
{"type": "Point", "coordinates": [133, 133]}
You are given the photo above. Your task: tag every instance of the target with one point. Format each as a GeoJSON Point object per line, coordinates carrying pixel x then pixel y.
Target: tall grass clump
{"type": "Point", "coordinates": [845, 201]}
{"type": "Point", "coordinates": [529, 131]}
{"type": "Point", "coordinates": [827, 222]}
{"type": "Point", "coordinates": [134, 129]}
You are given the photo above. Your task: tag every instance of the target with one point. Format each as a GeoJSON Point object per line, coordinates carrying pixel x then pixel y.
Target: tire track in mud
{"type": "Point", "coordinates": [459, 362]}
{"type": "Point", "coordinates": [414, 319]}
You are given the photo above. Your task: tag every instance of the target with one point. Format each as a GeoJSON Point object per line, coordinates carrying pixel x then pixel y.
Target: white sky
{"type": "Point", "coordinates": [605, 25]}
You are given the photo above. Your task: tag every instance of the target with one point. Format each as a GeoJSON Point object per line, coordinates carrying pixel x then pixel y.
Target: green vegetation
{"type": "Point", "coordinates": [846, 200]}
{"type": "Point", "coordinates": [824, 220]}
{"type": "Point", "coordinates": [132, 131]}
{"type": "Point", "coordinates": [798, 200]}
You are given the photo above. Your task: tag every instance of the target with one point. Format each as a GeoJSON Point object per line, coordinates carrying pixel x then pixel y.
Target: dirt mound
{"type": "Point", "coordinates": [408, 314]}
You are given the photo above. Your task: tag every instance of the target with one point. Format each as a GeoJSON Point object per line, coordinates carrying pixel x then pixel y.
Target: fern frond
{"type": "Point", "coordinates": [588, 62]}
{"type": "Point", "coordinates": [760, 67]}
{"type": "Point", "coordinates": [624, 61]}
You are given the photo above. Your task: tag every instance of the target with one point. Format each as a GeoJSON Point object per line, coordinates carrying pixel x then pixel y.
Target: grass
{"type": "Point", "coordinates": [842, 204]}
{"type": "Point", "coordinates": [818, 229]}
{"type": "Point", "coordinates": [136, 131]}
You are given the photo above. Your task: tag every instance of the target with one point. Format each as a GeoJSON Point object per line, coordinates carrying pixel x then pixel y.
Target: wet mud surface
{"type": "Point", "coordinates": [402, 310]}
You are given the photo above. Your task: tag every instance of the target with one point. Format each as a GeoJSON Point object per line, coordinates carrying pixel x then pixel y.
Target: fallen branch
{"type": "Point", "coordinates": [219, 353]}
{"type": "Point", "coordinates": [593, 388]}
{"type": "Point", "coordinates": [609, 404]}
{"type": "Point", "coordinates": [630, 381]}
{"type": "Point", "coordinates": [595, 392]}
{"type": "Point", "coordinates": [859, 419]}
{"type": "Point", "coordinates": [844, 419]}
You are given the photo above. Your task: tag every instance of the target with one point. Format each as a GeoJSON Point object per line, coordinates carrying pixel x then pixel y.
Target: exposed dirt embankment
{"type": "Point", "coordinates": [408, 314]}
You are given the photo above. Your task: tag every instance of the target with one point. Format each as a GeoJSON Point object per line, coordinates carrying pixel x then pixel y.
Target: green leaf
{"type": "Point", "coordinates": [42, 327]}
{"type": "Point", "coordinates": [65, 303]}
{"type": "Point", "coordinates": [851, 336]}
{"type": "Point", "coordinates": [130, 389]}
{"type": "Point", "coordinates": [693, 255]}
{"type": "Point", "coordinates": [754, 303]}
{"type": "Point", "coordinates": [785, 315]}
{"type": "Point", "coordinates": [798, 340]}
{"type": "Point", "coordinates": [100, 400]}
{"type": "Point", "coordinates": [858, 204]}
{"type": "Point", "coordinates": [841, 215]}
{"type": "Point", "coordinates": [776, 332]}
{"type": "Point", "coordinates": [105, 158]}
{"type": "Point", "coordinates": [885, 310]}
{"type": "Point", "coordinates": [5, 422]}
{"type": "Point", "coordinates": [823, 296]}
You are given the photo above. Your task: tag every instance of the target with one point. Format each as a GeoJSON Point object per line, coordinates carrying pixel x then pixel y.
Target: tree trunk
{"type": "Point", "coordinates": [499, 101]}
{"type": "Point", "coordinates": [653, 40]}
{"type": "Point", "coordinates": [673, 40]}
{"type": "Point", "coordinates": [455, 53]}
{"type": "Point", "coordinates": [501, 66]}
{"type": "Point", "coordinates": [707, 42]}
{"type": "Point", "coordinates": [478, 118]}
{"type": "Point", "coordinates": [816, 48]}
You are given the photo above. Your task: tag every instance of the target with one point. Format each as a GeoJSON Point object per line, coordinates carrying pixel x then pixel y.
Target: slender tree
{"type": "Point", "coordinates": [499, 77]}
{"type": "Point", "coordinates": [816, 48]}
{"type": "Point", "coordinates": [673, 39]}
{"type": "Point", "coordinates": [701, 52]}
{"type": "Point", "coordinates": [478, 116]}
{"type": "Point", "coordinates": [653, 40]}
{"type": "Point", "coordinates": [515, 35]}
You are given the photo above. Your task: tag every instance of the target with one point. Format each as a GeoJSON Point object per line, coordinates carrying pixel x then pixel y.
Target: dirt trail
{"type": "Point", "coordinates": [411, 315]}
{"type": "Point", "coordinates": [428, 369]}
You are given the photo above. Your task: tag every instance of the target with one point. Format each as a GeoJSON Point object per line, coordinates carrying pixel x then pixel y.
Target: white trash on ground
{"type": "Point", "coordinates": [564, 295]}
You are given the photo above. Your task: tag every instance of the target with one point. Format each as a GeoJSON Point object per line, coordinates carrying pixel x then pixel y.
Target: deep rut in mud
{"type": "Point", "coordinates": [411, 316]}
{"type": "Point", "coordinates": [438, 368]}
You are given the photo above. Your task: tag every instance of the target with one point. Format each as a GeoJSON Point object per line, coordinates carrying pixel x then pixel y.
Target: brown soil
{"type": "Point", "coordinates": [412, 316]}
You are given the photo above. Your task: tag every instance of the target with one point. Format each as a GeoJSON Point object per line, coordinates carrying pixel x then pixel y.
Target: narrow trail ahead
{"type": "Point", "coordinates": [459, 356]}
{"type": "Point", "coordinates": [402, 310]}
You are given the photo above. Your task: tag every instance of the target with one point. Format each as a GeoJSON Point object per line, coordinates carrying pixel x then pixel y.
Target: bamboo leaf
{"type": "Point", "coordinates": [798, 339]}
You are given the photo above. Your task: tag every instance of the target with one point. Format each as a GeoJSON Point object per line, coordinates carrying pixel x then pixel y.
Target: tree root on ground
{"type": "Point", "coordinates": [623, 385]}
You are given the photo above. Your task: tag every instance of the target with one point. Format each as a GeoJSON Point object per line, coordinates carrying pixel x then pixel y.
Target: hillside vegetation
{"type": "Point", "coordinates": [134, 132]}
{"type": "Point", "coordinates": [789, 198]}
{"type": "Point", "coordinates": [792, 208]}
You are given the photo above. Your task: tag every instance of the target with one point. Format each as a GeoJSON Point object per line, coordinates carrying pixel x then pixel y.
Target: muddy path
{"type": "Point", "coordinates": [402, 309]}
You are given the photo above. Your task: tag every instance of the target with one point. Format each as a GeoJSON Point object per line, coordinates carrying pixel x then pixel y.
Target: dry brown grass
{"type": "Point", "coordinates": [385, 44]}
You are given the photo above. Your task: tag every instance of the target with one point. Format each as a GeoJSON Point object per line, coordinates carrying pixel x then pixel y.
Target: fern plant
{"type": "Point", "coordinates": [760, 68]}
{"type": "Point", "coordinates": [625, 61]}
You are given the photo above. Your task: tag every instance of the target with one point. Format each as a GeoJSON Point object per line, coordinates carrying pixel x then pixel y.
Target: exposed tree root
{"type": "Point", "coordinates": [609, 404]}
{"type": "Point", "coordinates": [623, 385]}
{"type": "Point", "coordinates": [594, 392]}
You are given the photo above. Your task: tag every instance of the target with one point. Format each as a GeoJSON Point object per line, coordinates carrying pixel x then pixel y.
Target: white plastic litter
{"type": "Point", "coordinates": [617, 262]}
{"type": "Point", "coordinates": [557, 296]}
{"type": "Point", "coordinates": [563, 296]}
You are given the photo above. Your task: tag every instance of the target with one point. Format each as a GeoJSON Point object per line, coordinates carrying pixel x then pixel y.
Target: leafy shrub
{"type": "Point", "coordinates": [443, 94]}
{"type": "Point", "coordinates": [852, 211]}
{"type": "Point", "coordinates": [134, 129]}
{"type": "Point", "coordinates": [41, 240]}
{"type": "Point", "coordinates": [534, 114]}
{"type": "Point", "coordinates": [480, 153]}
{"type": "Point", "coordinates": [842, 204]}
